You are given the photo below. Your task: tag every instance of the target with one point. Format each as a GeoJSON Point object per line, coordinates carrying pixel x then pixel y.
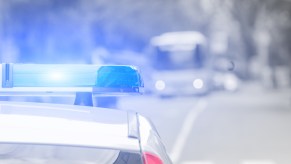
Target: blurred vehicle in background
{"type": "Point", "coordinates": [225, 81]}
{"type": "Point", "coordinates": [181, 64]}
{"type": "Point", "coordinates": [223, 76]}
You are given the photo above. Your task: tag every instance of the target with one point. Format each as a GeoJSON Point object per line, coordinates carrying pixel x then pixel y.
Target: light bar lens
{"type": "Point", "coordinates": [117, 76]}
{"type": "Point", "coordinates": [53, 75]}
{"type": "Point", "coordinates": [101, 78]}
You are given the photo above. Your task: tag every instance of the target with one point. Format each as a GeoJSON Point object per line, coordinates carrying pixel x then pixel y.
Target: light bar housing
{"type": "Point", "coordinates": [34, 79]}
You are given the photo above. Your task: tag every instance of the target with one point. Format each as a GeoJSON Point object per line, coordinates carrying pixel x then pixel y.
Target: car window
{"type": "Point", "coordinates": [12, 153]}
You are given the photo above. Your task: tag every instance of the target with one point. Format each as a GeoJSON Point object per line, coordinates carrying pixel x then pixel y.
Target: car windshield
{"type": "Point", "coordinates": [11, 153]}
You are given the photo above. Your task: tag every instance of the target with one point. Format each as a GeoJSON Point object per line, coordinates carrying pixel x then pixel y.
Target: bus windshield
{"type": "Point", "coordinates": [177, 59]}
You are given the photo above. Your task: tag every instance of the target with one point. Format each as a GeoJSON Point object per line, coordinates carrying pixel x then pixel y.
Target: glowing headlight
{"type": "Point", "coordinates": [198, 83]}
{"type": "Point", "coordinates": [160, 85]}
{"type": "Point", "coordinates": [231, 83]}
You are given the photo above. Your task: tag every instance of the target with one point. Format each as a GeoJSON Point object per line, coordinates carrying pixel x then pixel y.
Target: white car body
{"type": "Point", "coordinates": [78, 126]}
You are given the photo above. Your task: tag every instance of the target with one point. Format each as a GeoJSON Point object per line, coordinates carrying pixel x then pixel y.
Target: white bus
{"type": "Point", "coordinates": [181, 64]}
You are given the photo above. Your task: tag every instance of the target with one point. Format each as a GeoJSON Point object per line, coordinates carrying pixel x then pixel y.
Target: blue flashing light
{"type": "Point", "coordinates": [102, 79]}
{"type": "Point", "coordinates": [118, 78]}
{"type": "Point", "coordinates": [34, 75]}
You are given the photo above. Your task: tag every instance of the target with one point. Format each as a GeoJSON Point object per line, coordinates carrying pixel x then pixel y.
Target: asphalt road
{"type": "Point", "coordinates": [252, 126]}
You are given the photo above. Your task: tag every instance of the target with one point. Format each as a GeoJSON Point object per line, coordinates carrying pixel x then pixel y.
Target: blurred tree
{"type": "Point", "coordinates": [40, 31]}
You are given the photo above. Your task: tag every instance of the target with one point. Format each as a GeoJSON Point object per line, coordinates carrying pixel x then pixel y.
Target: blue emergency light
{"type": "Point", "coordinates": [69, 78]}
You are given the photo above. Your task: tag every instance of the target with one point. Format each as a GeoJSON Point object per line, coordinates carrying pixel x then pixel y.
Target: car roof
{"type": "Point", "coordinates": [41, 123]}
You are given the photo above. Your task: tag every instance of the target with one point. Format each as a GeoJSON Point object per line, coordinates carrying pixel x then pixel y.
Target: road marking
{"type": "Point", "coordinates": [186, 129]}
{"type": "Point", "coordinates": [243, 162]}
{"type": "Point", "coordinates": [197, 162]}
{"type": "Point", "coordinates": [257, 162]}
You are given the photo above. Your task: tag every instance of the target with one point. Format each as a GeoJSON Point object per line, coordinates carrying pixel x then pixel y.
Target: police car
{"type": "Point", "coordinates": [54, 133]}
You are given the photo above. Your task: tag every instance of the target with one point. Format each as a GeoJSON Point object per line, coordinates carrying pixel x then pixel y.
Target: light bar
{"type": "Point", "coordinates": [56, 78]}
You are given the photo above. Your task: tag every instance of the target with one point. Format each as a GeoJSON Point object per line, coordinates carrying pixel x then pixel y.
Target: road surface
{"type": "Point", "coordinates": [251, 126]}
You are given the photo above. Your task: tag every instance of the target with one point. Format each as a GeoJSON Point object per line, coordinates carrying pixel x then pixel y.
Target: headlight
{"type": "Point", "coordinates": [198, 83]}
{"type": "Point", "coordinates": [231, 83]}
{"type": "Point", "coordinates": [160, 85]}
